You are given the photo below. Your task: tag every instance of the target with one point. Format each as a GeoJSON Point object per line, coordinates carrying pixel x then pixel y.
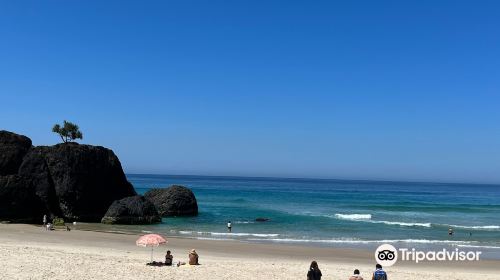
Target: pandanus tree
{"type": "Point", "coordinates": [68, 131]}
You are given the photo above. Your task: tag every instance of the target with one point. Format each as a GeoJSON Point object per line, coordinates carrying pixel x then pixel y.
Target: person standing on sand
{"type": "Point", "coordinates": [229, 226]}
{"type": "Point", "coordinates": [356, 276]}
{"type": "Point", "coordinates": [44, 220]}
{"type": "Point", "coordinates": [379, 274]}
{"type": "Point", "coordinates": [314, 273]}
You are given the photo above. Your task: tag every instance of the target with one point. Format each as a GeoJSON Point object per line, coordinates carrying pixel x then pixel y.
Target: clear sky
{"type": "Point", "coordinates": [398, 90]}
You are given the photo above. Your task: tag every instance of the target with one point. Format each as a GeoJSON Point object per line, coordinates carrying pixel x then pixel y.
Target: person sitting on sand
{"type": "Point", "coordinates": [379, 274]}
{"type": "Point", "coordinates": [356, 276]}
{"type": "Point", "coordinates": [193, 257]}
{"type": "Point", "coordinates": [314, 273]}
{"type": "Point", "coordinates": [168, 258]}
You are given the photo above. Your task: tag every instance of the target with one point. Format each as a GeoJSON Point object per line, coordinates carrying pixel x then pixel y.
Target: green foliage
{"type": "Point", "coordinates": [68, 132]}
{"type": "Point", "coordinates": [58, 221]}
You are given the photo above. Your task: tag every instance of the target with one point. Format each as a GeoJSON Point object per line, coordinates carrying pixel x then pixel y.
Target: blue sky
{"type": "Point", "coordinates": [392, 90]}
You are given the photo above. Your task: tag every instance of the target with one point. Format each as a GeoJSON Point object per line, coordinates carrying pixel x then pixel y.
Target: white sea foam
{"type": "Point", "coordinates": [265, 235]}
{"type": "Point", "coordinates": [426, 241]}
{"type": "Point", "coordinates": [357, 241]}
{"type": "Point", "coordinates": [368, 218]}
{"type": "Point", "coordinates": [185, 232]}
{"type": "Point", "coordinates": [478, 246]}
{"type": "Point", "coordinates": [476, 227]}
{"type": "Point", "coordinates": [243, 234]}
{"type": "Point", "coordinates": [403, 224]}
{"type": "Point", "coordinates": [354, 217]}
{"type": "Point", "coordinates": [291, 240]}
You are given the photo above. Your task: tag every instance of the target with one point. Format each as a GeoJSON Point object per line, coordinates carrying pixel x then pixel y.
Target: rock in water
{"type": "Point", "coordinates": [13, 147]}
{"type": "Point", "coordinates": [173, 201]}
{"type": "Point", "coordinates": [260, 219]}
{"type": "Point", "coordinates": [131, 210]}
{"type": "Point", "coordinates": [18, 200]}
{"type": "Point", "coordinates": [79, 181]}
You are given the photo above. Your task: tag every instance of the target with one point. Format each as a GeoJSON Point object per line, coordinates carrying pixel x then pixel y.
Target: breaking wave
{"type": "Point", "coordinates": [368, 218]}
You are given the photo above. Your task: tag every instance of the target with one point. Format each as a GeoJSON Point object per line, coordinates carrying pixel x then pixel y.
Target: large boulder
{"type": "Point", "coordinates": [13, 147]}
{"type": "Point", "coordinates": [18, 200]}
{"type": "Point", "coordinates": [77, 182]}
{"type": "Point", "coordinates": [173, 201]}
{"type": "Point", "coordinates": [131, 211]}
{"type": "Point", "coordinates": [35, 167]}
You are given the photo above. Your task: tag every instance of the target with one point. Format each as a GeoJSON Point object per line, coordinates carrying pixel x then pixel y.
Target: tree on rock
{"type": "Point", "coordinates": [68, 132]}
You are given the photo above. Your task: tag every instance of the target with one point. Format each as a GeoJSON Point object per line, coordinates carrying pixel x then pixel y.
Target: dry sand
{"type": "Point", "coordinates": [29, 252]}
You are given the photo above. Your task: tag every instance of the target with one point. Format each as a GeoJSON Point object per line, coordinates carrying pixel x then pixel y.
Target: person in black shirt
{"type": "Point", "coordinates": [168, 258]}
{"type": "Point", "coordinates": [314, 273]}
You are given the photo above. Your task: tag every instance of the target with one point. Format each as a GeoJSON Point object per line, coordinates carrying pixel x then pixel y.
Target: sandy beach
{"type": "Point", "coordinates": [29, 252]}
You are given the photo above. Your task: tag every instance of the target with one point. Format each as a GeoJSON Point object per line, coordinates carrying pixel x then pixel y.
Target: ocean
{"type": "Point", "coordinates": [334, 213]}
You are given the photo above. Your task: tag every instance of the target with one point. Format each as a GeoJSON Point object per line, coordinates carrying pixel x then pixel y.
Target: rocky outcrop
{"type": "Point", "coordinates": [18, 200]}
{"type": "Point", "coordinates": [13, 147]}
{"type": "Point", "coordinates": [261, 219]}
{"type": "Point", "coordinates": [84, 179]}
{"type": "Point", "coordinates": [132, 210]}
{"type": "Point", "coordinates": [173, 201]}
{"type": "Point", "coordinates": [77, 182]}
{"type": "Point", "coordinates": [35, 167]}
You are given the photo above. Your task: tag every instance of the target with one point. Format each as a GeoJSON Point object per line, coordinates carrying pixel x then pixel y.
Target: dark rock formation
{"type": "Point", "coordinates": [85, 179]}
{"type": "Point", "coordinates": [35, 167]}
{"type": "Point", "coordinates": [173, 201]}
{"type": "Point", "coordinates": [13, 147]}
{"type": "Point", "coordinates": [132, 210]}
{"type": "Point", "coordinates": [76, 182]}
{"type": "Point", "coordinates": [18, 200]}
{"type": "Point", "coordinates": [260, 219]}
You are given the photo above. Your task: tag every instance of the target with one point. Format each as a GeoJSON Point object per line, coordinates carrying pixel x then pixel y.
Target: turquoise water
{"type": "Point", "coordinates": [337, 213]}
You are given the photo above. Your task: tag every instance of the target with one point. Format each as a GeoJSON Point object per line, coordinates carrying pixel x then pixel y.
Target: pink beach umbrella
{"type": "Point", "coordinates": [150, 240]}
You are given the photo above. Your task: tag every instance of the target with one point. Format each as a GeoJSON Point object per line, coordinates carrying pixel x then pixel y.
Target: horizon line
{"type": "Point", "coordinates": [320, 179]}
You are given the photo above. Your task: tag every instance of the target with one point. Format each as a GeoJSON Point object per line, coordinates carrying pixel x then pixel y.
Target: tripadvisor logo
{"type": "Point", "coordinates": [388, 255]}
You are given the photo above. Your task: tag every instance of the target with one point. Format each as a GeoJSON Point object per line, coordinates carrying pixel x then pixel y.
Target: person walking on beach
{"type": "Point", "coordinates": [356, 276]}
{"type": "Point", "coordinates": [314, 273]}
{"type": "Point", "coordinates": [44, 220]}
{"type": "Point", "coordinates": [229, 226]}
{"type": "Point", "coordinates": [379, 274]}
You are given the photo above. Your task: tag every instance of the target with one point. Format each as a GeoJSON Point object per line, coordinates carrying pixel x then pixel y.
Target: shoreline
{"type": "Point", "coordinates": [21, 242]}
{"type": "Point", "coordinates": [488, 253]}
